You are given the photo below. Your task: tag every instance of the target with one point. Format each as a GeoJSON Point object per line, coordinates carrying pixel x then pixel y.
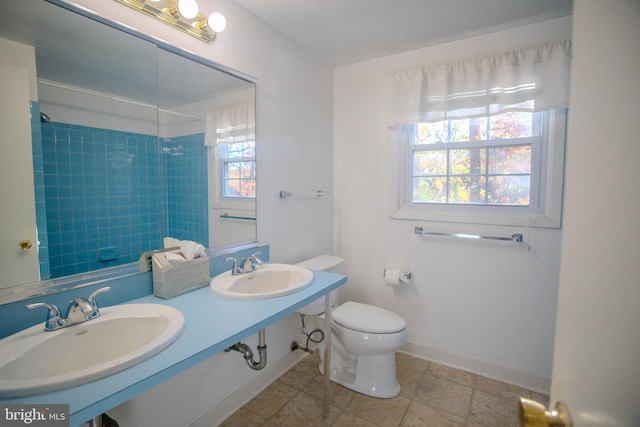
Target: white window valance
{"type": "Point", "coordinates": [231, 124]}
{"type": "Point", "coordinates": [533, 79]}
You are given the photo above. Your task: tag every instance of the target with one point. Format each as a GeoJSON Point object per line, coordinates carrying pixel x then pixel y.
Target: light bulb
{"type": "Point", "coordinates": [188, 8]}
{"type": "Point", "coordinates": [217, 22]}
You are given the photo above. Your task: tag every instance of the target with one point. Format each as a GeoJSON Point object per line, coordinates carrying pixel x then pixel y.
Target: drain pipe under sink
{"type": "Point", "coordinates": [245, 349]}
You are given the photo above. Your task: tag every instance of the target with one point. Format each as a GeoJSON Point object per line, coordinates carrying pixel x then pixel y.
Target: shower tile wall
{"type": "Point", "coordinates": [103, 190]}
{"type": "Point", "coordinates": [185, 163]}
{"type": "Point", "coordinates": [102, 196]}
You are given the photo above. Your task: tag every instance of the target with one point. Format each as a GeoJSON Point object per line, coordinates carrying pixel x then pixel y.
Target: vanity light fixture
{"type": "Point", "coordinates": [183, 15]}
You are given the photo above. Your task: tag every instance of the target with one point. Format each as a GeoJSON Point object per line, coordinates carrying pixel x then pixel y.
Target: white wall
{"type": "Point", "coordinates": [484, 306]}
{"type": "Point", "coordinates": [294, 136]}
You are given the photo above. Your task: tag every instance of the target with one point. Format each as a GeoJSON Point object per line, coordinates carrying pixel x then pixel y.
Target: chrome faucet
{"type": "Point", "coordinates": [80, 310]}
{"type": "Point", "coordinates": [251, 262]}
{"type": "Point", "coordinates": [246, 265]}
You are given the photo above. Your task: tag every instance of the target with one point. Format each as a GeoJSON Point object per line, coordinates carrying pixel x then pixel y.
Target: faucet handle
{"type": "Point", "coordinates": [54, 319]}
{"type": "Point", "coordinates": [255, 258]}
{"type": "Point", "coordinates": [92, 297]}
{"type": "Point", "coordinates": [236, 265]}
{"type": "Point", "coordinates": [53, 309]}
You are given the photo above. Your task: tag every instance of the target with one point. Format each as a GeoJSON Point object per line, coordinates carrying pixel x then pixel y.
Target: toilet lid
{"type": "Point", "coordinates": [367, 318]}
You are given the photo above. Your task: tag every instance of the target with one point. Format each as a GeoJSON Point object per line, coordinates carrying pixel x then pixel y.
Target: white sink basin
{"type": "Point", "coordinates": [33, 361]}
{"type": "Point", "coordinates": [267, 281]}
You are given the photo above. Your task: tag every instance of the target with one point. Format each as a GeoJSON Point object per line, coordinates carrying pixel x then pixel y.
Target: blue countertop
{"type": "Point", "coordinates": [212, 324]}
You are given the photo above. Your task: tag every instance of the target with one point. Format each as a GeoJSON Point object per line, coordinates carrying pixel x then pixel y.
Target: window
{"type": "Point", "coordinates": [482, 140]}
{"type": "Point", "coordinates": [500, 169]}
{"type": "Point", "coordinates": [230, 136]}
{"type": "Point", "coordinates": [238, 169]}
{"type": "Point", "coordinates": [483, 161]}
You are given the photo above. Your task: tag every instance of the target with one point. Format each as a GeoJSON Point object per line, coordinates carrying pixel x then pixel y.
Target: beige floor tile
{"type": "Point", "coordinates": [409, 380]}
{"type": "Point", "coordinates": [491, 410]}
{"type": "Point", "coordinates": [409, 371]}
{"type": "Point", "coordinates": [540, 397]}
{"type": "Point", "coordinates": [300, 375]}
{"type": "Point", "coordinates": [243, 418]}
{"type": "Point", "coordinates": [452, 374]}
{"type": "Point", "coordinates": [304, 410]}
{"type": "Point", "coordinates": [382, 412]}
{"type": "Point", "coordinates": [347, 419]}
{"type": "Point", "coordinates": [313, 358]}
{"type": "Point", "coordinates": [444, 394]}
{"type": "Point", "coordinates": [421, 415]}
{"type": "Point", "coordinates": [271, 399]}
{"type": "Point", "coordinates": [404, 361]}
{"type": "Point", "coordinates": [432, 395]}
{"type": "Point", "coordinates": [501, 389]}
{"type": "Point", "coordinates": [339, 396]}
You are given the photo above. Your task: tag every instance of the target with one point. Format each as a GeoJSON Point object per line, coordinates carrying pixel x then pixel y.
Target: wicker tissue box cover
{"type": "Point", "coordinates": [170, 280]}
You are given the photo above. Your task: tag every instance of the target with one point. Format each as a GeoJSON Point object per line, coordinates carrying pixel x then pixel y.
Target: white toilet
{"type": "Point", "coordinates": [364, 339]}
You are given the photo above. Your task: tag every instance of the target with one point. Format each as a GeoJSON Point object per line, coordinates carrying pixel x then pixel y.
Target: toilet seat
{"type": "Point", "coordinates": [367, 318]}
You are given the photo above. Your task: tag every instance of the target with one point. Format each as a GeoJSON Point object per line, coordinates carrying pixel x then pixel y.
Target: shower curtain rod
{"type": "Point", "coordinates": [113, 98]}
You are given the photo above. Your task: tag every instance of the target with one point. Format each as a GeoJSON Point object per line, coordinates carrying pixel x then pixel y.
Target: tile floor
{"type": "Point", "coordinates": [432, 395]}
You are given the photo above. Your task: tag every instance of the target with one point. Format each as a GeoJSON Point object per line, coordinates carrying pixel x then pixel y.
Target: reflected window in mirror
{"type": "Point", "coordinates": [230, 137]}
{"type": "Point", "coordinates": [238, 164]}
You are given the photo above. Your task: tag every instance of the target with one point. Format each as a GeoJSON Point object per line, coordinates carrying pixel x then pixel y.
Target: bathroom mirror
{"type": "Point", "coordinates": [128, 148]}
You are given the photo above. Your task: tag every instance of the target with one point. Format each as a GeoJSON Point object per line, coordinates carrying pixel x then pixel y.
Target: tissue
{"type": "Point", "coordinates": [396, 276]}
{"type": "Point", "coordinates": [188, 250]}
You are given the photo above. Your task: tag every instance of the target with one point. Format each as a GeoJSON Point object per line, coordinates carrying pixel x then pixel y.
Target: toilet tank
{"type": "Point", "coordinates": [323, 262]}
{"type": "Point", "coordinates": [328, 263]}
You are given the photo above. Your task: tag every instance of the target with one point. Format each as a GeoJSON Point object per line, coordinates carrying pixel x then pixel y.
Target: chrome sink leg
{"type": "Point", "coordinates": [96, 421]}
{"type": "Point", "coordinates": [327, 357]}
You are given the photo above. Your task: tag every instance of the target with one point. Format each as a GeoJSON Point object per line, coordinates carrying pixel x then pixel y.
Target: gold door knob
{"type": "Point", "coordinates": [25, 245]}
{"type": "Point", "coordinates": [534, 414]}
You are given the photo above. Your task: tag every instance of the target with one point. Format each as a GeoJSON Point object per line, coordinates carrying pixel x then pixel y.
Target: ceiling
{"type": "Point", "coordinates": [341, 32]}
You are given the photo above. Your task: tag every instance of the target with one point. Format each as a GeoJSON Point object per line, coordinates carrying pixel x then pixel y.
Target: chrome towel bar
{"type": "Point", "coordinates": [516, 238]}
{"type": "Point", "coordinates": [227, 216]}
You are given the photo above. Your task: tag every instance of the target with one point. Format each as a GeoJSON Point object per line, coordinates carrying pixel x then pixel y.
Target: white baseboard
{"type": "Point", "coordinates": [515, 377]}
{"type": "Point", "coordinates": [237, 400]}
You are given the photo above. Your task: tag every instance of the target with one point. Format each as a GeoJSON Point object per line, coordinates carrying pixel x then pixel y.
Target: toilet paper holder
{"type": "Point", "coordinates": [402, 273]}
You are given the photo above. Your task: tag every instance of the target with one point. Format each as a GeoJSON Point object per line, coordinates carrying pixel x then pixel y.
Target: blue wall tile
{"type": "Point", "coordinates": [103, 189]}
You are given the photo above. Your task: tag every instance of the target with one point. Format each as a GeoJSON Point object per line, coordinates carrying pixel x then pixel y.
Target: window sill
{"type": "Point", "coordinates": [449, 214]}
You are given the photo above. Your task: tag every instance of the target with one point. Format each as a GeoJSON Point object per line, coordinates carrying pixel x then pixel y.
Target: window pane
{"type": "Point", "coordinates": [467, 189]}
{"type": "Point", "coordinates": [433, 162]}
{"type": "Point", "coordinates": [511, 125]}
{"type": "Point", "coordinates": [231, 170]}
{"type": "Point", "coordinates": [430, 190]}
{"type": "Point", "coordinates": [509, 190]}
{"type": "Point", "coordinates": [231, 188]}
{"type": "Point", "coordinates": [247, 169]}
{"type": "Point", "coordinates": [459, 130]}
{"type": "Point", "coordinates": [239, 179]}
{"type": "Point", "coordinates": [478, 129]}
{"type": "Point", "coordinates": [429, 133]}
{"type": "Point", "coordinates": [467, 162]}
{"type": "Point", "coordinates": [237, 150]}
{"type": "Point", "coordinates": [239, 188]}
{"type": "Point", "coordinates": [510, 160]}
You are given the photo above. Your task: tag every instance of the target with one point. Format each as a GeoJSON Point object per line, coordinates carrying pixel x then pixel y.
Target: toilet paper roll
{"type": "Point", "coordinates": [396, 276]}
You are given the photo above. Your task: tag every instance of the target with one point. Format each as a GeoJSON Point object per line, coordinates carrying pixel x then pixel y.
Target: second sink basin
{"type": "Point", "coordinates": [267, 281]}
{"type": "Point", "coordinates": [34, 361]}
